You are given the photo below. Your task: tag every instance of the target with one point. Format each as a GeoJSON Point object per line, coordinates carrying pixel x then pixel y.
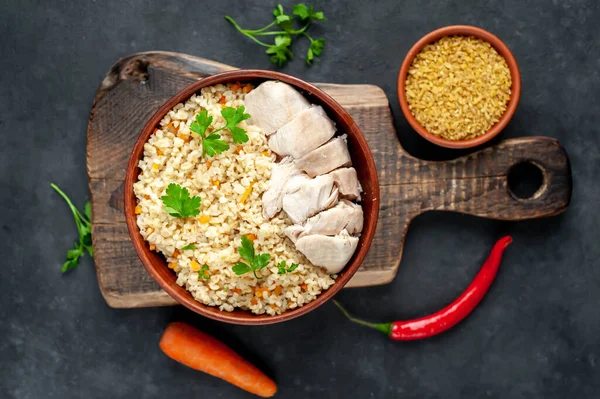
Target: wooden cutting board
{"type": "Point", "coordinates": [136, 86]}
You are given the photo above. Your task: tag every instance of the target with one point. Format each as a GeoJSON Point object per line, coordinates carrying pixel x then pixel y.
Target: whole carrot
{"type": "Point", "coordinates": [448, 317]}
{"type": "Point", "coordinates": [195, 349]}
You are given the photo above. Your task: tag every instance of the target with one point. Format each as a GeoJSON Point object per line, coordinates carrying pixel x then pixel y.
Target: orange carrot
{"type": "Point", "coordinates": [195, 349]}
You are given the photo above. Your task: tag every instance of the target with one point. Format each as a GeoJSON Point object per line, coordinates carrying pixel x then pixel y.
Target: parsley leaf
{"type": "Point", "coordinates": [178, 202]}
{"type": "Point", "coordinates": [204, 273]}
{"type": "Point", "coordinates": [232, 117]}
{"type": "Point", "coordinates": [315, 49]}
{"type": "Point", "coordinates": [282, 269]}
{"type": "Point", "coordinates": [246, 251]}
{"type": "Point", "coordinates": [255, 262]}
{"type": "Point", "coordinates": [202, 123]}
{"type": "Point", "coordinates": [307, 12]}
{"type": "Point", "coordinates": [189, 246]}
{"type": "Point", "coordinates": [212, 144]}
{"type": "Point", "coordinates": [84, 227]}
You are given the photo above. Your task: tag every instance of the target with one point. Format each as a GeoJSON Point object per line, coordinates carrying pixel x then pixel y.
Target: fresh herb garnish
{"type": "Point", "coordinates": [282, 269]}
{"type": "Point", "coordinates": [203, 273]}
{"type": "Point", "coordinates": [284, 32]}
{"type": "Point", "coordinates": [255, 262]}
{"type": "Point", "coordinates": [213, 144]}
{"type": "Point", "coordinates": [178, 202]}
{"type": "Point", "coordinates": [84, 227]}
{"type": "Point", "coordinates": [189, 246]}
{"type": "Point", "coordinates": [233, 116]}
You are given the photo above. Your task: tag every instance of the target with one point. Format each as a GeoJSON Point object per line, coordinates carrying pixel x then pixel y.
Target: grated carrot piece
{"type": "Point", "coordinates": [238, 149]}
{"type": "Point", "coordinates": [277, 290]}
{"type": "Point", "coordinates": [273, 306]}
{"type": "Point", "coordinates": [290, 304]}
{"type": "Point", "coordinates": [222, 100]}
{"type": "Point", "coordinates": [304, 287]}
{"type": "Point", "coordinates": [159, 152]}
{"type": "Point", "coordinates": [265, 153]}
{"type": "Point", "coordinates": [152, 247]}
{"type": "Point", "coordinates": [251, 237]}
{"type": "Point", "coordinates": [138, 210]}
{"type": "Point", "coordinates": [237, 291]}
{"type": "Point", "coordinates": [204, 219]}
{"type": "Point", "coordinates": [247, 88]}
{"type": "Point", "coordinates": [253, 301]}
{"type": "Point", "coordinates": [176, 253]}
{"type": "Point", "coordinates": [172, 266]}
{"type": "Point", "coordinates": [149, 230]}
{"type": "Point", "coordinates": [184, 137]}
{"type": "Point", "coordinates": [246, 193]}
{"type": "Point", "coordinates": [208, 165]}
{"type": "Point", "coordinates": [146, 197]}
{"type": "Point", "coordinates": [236, 86]}
{"type": "Point", "coordinates": [194, 265]}
{"type": "Point", "coordinates": [216, 183]}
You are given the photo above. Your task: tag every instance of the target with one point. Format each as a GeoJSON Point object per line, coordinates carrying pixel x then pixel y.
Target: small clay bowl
{"type": "Point", "coordinates": [362, 161]}
{"type": "Point", "coordinates": [501, 48]}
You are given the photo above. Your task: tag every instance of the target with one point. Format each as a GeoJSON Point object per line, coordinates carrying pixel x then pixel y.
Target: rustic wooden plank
{"type": "Point", "coordinates": [137, 85]}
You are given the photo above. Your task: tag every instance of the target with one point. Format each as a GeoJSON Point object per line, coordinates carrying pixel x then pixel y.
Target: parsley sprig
{"type": "Point", "coordinates": [84, 227]}
{"type": "Point", "coordinates": [283, 24]}
{"type": "Point", "coordinates": [213, 144]}
{"type": "Point", "coordinates": [282, 269]}
{"type": "Point", "coordinates": [255, 262]}
{"type": "Point", "coordinates": [178, 202]}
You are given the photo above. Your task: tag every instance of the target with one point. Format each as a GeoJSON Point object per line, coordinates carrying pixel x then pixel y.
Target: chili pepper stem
{"type": "Point", "coordinates": [385, 328]}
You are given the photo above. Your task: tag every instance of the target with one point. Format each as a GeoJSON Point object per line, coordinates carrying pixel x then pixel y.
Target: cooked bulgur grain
{"type": "Point", "coordinates": [458, 87]}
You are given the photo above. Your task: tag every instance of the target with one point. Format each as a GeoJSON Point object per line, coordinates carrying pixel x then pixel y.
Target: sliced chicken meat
{"type": "Point", "coordinates": [326, 158]}
{"type": "Point", "coordinates": [307, 131]}
{"type": "Point", "coordinates": [273, 104]}
{"type": "Point", "coordinates": [281, 173]}
{"type": "Point", "coordinates": [344, 216]}
{"type": "Point", "coordinates": [347, 183]}
{"type": "Point", "coordinates": [304, 197]}
{"type": "Point", "coordinates": [332, 253]}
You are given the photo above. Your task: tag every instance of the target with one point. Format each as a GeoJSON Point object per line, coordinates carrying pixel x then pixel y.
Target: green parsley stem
{"type": "Point", "coordinates": [245, 33]}
{"type": "Point", "coordinates": [261, 29]}
{"type": "Point", "coordinates": [79, 218]}
{"type": "Point", "coordinates": [281, 32]}
{"type": "Point", "coordinates": [308, 37]}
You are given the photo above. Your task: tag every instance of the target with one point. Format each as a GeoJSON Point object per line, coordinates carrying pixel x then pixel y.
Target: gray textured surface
{"type": "Point", "coordinates": [537, 333]}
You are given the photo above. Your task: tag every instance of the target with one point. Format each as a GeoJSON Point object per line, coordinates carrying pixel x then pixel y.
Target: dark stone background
{"type": "Point", "coordinates": [537, 334]}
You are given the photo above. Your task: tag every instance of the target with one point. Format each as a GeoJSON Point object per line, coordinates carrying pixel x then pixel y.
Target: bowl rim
{"type": "Point", "coordinates": [499, 46]}
{"type": "Point", "coordinates": [142, 249]}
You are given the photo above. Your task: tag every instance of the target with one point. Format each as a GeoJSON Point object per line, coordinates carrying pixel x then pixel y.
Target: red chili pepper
{"type": "Point", "coordinates": [451, 315]}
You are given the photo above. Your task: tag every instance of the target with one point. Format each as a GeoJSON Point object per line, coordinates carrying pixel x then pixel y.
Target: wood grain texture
{"type": "Point", "coordinates": [136, 86]}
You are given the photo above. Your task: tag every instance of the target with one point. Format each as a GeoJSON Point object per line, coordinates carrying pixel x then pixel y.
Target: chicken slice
{"type": "Point", "coordinates": [273, 104]}
{"type": "Point", "coordinates": [346, 181]}
{"type": "Point", "coordinates": [307, 131]}
{"type": "Point", "coordinates": [344, 216]}
{"type": "Point", "coordinates": [280, 174]}
{"type": "Point", "coordinates": [331, 253]}
{"type": "Point", "coordinates": [293, 232]}
{"type": "Point", "coordinates": [326, 158]}
{"type": "Point", "coordinates": [304, 197]}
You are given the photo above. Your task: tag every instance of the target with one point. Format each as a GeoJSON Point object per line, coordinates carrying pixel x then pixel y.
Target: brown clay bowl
{"type": "Point", "coordinates": [501, 48]}
{"type": "Point", "coordinates": [362, 160]}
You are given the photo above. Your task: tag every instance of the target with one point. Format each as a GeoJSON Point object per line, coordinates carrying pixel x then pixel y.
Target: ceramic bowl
{"type": "Point", "coordinates": [362, 161]}
{"type": "Point", "coordinates": [461, 30]}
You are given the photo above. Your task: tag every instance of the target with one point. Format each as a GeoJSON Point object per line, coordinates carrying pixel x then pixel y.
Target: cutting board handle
{"type": "Point", "coordinates": [477, 184]}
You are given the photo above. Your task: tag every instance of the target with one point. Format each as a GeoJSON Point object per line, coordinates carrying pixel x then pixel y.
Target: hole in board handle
{"type": "Point", "coordinates": [526, 180]}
